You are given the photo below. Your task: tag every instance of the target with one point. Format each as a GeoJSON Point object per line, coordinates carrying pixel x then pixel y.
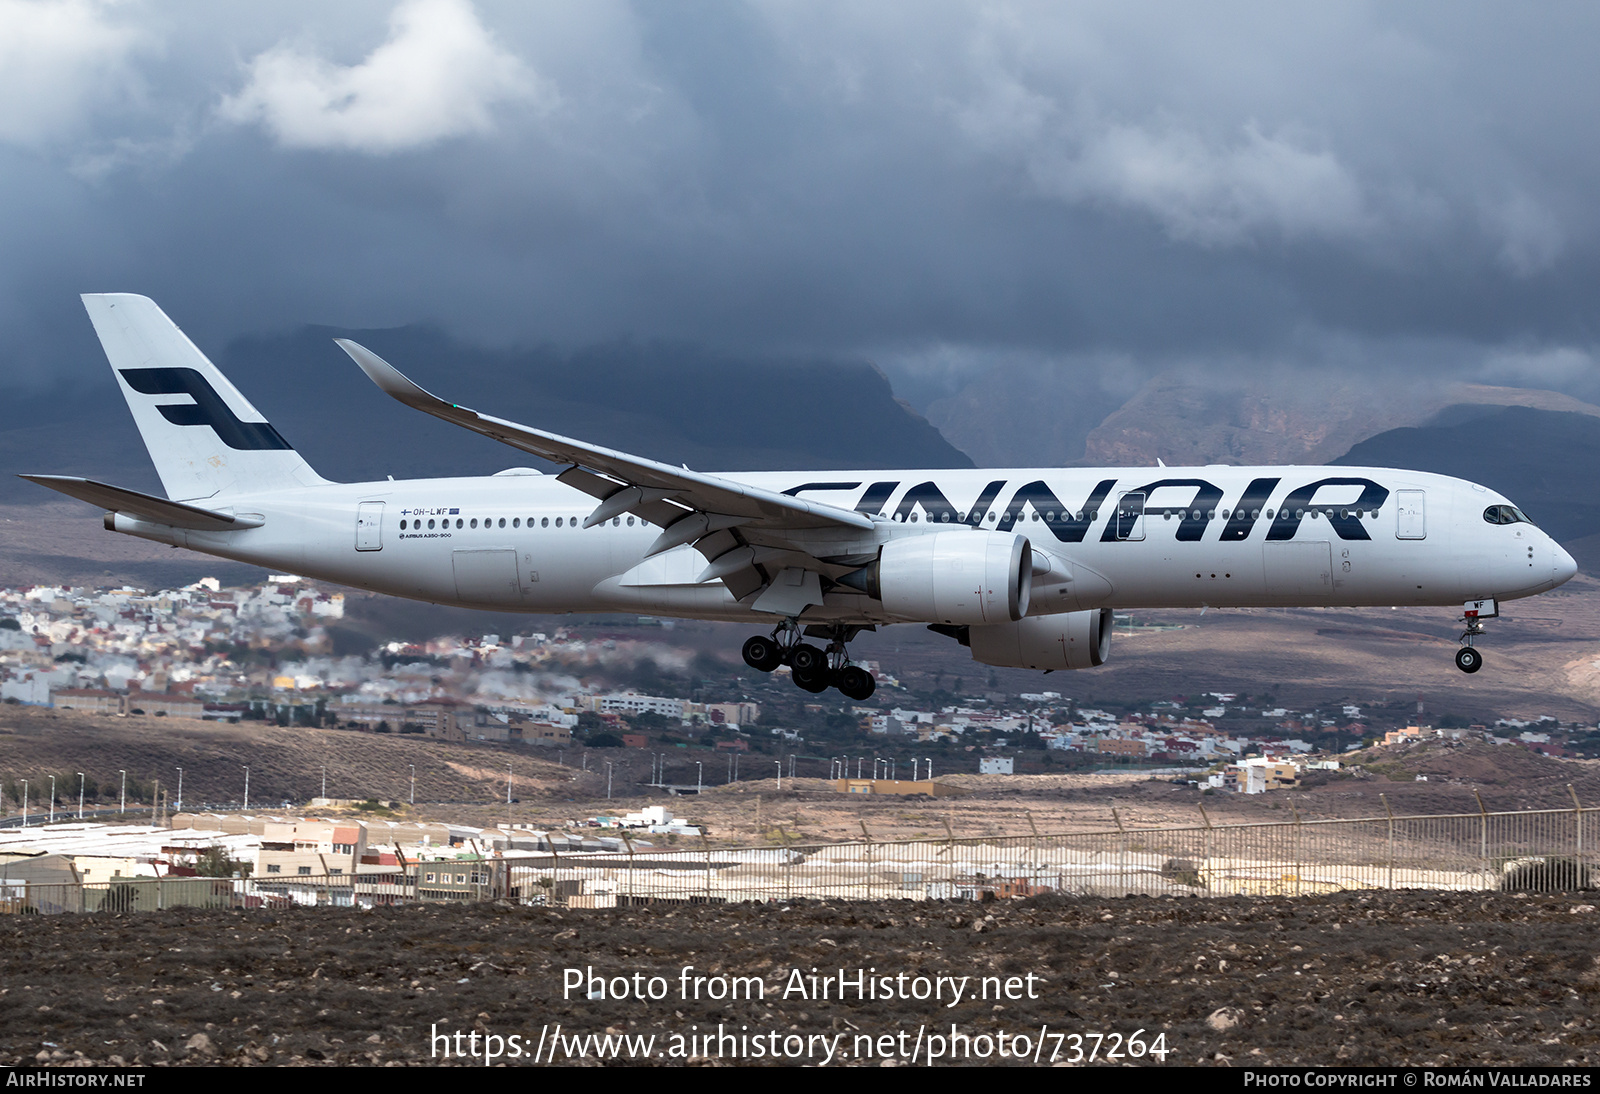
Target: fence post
{"type": "Point", "coordinates": [1483, 836]}
{"type": "Point", "coordinates": [1205, 846]}
{"type": "Point", "coordinates": [628, 843]}
{"type": "Point", "coordinates": [950, 852]}
{"type": "Point", "coordinates": [1577, 818]}
{"type": "Point", "coordinates": [706, 845]}
{"type": "Point", "coordinates": [1385, 799]}
{"type": "Point", "coordinates": [1122, 857]}
{"type": "Point", "coordinates": [1298, 866]}
{"type": "Point", "coordinates": [1038, 853]}
{"type": "Point", "coordinates": [868, 837]}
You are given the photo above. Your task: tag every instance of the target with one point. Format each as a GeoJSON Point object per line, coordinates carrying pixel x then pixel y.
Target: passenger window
{"type": "Point", "coordinates": [558, 522]}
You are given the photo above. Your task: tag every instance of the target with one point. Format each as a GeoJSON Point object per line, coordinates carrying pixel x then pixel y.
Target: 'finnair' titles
{"type": "Point", "coordinates": [1024, 567]}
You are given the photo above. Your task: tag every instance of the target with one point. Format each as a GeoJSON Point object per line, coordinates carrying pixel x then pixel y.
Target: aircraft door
{"type": "Point", "coordinates": [1411, 516]}
{"type": "Point", "coordinates": [1298, 571]}
{"type": "Point", "coordinates": [486, 575]}
{"type": "Point", "coordinates": [1130, 516]}
{"type": "Point", "coordinates": [369, 526]}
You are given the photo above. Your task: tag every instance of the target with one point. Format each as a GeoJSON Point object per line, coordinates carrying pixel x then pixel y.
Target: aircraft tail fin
{"type": "Point", "coordinates": [204, 437]}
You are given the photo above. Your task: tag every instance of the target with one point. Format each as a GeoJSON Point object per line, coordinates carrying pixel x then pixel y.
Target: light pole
{"type": "Point", "coordinates": [24, 803]}
{"type": "Point", "coordinates": [80, 791]}
{"type": "Point", "coordinates": [122, 795]}
{"type": "Point", "coordinates": [780, 773]}
{"type": "Point", "coordinates": [180, 790]}
{"type": "Point", "coordinates": [52, 819]}
{"type": "Point", "coordinates": [246, 787]}
{"type": "Point", "coordinates": [608, 780]}
{"type": "Point", "coordinates": [699, 776]}
{"type": "Point", "coordinates": [730, 767]}
{"type": "Point", "coordinates": [412, 800]}
{"type": "Point", "coordinates": [324, 782]}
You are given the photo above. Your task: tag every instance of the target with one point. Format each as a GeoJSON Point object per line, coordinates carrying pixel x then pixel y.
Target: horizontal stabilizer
{"type": "Point", "coordinates": [156, 510]}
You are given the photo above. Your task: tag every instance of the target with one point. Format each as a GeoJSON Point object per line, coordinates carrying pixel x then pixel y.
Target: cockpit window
{"type": "Point", "coordinates": [1505, 514]}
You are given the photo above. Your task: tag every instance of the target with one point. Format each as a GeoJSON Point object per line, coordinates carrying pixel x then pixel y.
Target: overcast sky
{"type": "Point", "coordinates": [935, 187]}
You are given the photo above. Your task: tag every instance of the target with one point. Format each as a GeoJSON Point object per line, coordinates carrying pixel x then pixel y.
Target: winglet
{"type": "Point", "coordinates": [390, 379]}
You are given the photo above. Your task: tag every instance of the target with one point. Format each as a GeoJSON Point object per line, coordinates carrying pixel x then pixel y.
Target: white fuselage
{"type": "Point", "coordinates": [1112, 537]}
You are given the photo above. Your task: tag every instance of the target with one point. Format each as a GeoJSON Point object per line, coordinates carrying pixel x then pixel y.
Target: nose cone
{"type": "Point", "coordinates": [1563, 566]}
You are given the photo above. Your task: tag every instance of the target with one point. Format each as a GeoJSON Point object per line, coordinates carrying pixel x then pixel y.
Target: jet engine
{"type": "Point", "coordinates": [1072, 640]}
{"type": "Point", "coordinates": [960, 578]}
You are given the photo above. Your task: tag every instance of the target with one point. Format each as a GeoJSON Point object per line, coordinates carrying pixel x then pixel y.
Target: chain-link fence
{"type": "Point", "coordinates": [1536, 851]}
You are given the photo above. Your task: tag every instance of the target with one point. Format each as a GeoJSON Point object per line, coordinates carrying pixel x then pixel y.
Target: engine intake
{"type": "Point", "coordinates": [965, 577]}
{"type": "Point", "coordinates": [1073, 640]}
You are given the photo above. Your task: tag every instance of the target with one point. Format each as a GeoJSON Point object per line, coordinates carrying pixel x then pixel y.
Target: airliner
{"type": "Point", "coordinates": [1023, 567]}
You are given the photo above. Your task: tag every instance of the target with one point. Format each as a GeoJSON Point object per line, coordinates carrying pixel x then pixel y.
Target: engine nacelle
{"type": "Point", "coordinates": [963, 578]}
{"type": "Point", "coordinates": [1072, 640]}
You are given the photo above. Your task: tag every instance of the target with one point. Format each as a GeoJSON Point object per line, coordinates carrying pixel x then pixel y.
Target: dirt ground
{"type": "Point", "coordinates": [1358, 979]}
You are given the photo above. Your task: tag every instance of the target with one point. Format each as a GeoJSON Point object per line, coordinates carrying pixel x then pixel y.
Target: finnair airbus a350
{"type": "Point", "coordinates": [1022, 566]}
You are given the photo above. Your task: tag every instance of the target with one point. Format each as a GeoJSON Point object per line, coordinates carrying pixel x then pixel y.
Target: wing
{"type": "Point", "coordinates": [747, 534]}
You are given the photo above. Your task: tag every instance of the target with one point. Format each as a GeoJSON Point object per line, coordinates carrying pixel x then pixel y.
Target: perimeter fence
{"type": "Point", "coordinates": [1529, 851]}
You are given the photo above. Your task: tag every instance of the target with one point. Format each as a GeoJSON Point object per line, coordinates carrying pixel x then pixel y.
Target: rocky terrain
{"type": "Point", "coordinates": [1354, 978]}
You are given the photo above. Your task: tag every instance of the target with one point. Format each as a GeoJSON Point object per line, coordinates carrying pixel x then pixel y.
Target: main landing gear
{"type": "Point", "coordinates": [812, 669]}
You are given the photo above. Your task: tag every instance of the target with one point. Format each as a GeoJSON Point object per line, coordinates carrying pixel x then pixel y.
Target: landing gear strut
{"type": "Point", "coordinates": [812, 669]}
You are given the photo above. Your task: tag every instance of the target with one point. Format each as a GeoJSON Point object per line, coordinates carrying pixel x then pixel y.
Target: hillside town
{"type": "Point", "coordinates": [263, 652]}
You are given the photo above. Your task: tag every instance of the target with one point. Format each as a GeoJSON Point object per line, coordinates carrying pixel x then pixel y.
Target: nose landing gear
{"type": "Point", "coordinates": [812, 669]}
{"type": "Point", "coordinates": [1468, 659]}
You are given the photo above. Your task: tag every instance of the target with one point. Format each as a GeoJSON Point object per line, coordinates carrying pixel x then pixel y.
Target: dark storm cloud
{"type": "Point", "coordinates": [941, 187]}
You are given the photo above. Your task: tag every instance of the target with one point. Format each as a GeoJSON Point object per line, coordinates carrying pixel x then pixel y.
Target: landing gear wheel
{"type": "Point", "coordinates": [1468, 659]}
{"type": "Point", "coordinates": [813, 679]}
{"type": "Point", "coordinates": [806, 658]}
{"type": "Point", "coordinates": [856, 683]}
{"type": "Point", "coordinates": [762, 653]}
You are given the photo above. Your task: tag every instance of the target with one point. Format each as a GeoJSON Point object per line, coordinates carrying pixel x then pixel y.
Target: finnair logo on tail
{"type": "Point", "coordinates": [207, 408]}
